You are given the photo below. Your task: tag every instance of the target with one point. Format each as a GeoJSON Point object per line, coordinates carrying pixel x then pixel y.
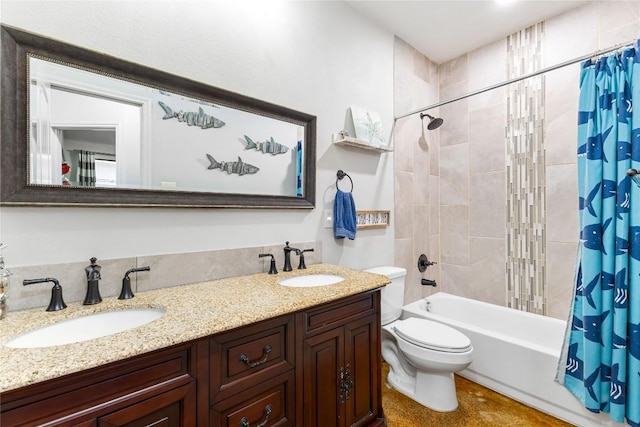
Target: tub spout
{"type": "Point", "coordinates": [427, 282]}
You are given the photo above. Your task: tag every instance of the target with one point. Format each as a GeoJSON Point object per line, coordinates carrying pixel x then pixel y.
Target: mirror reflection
{"type": "Point", "coordinates": [91, 130]}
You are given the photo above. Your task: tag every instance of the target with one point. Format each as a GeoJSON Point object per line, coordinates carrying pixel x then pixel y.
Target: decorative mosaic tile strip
{"type": "Point", "coordinates": [526, 263]}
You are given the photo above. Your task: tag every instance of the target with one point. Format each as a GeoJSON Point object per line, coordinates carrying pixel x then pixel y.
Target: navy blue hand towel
{"type": "Point", "coordinates": [344, 216]}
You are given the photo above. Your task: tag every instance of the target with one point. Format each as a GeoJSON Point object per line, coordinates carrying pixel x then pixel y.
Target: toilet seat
{"type": "Point", "coordinates": [432, 335]}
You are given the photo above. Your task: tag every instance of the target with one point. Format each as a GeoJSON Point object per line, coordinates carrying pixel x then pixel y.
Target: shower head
{"type": "Point", "coordinates": [434, 123]}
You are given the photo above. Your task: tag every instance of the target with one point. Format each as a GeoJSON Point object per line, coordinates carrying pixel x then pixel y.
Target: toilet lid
{"type": "Point", "coordinates": [432, 335]}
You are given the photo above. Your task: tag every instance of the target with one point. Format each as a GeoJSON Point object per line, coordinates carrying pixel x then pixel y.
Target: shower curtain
{"type": "Point", "coordinates": [86, 168]}
{"type": "Point", "coordinates": [603, 341]}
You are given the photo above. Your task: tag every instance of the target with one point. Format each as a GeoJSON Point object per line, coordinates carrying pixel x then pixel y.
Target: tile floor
{"type": "Point", "coordinates": [477, 407]}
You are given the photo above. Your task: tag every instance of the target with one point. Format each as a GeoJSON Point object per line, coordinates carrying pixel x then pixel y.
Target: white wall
{"type": "Point", "coordinates": [315, 57]}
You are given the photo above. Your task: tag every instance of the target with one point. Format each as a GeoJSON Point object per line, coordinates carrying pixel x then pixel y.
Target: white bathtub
{"type": "Point", "coordinates": [515, 353]}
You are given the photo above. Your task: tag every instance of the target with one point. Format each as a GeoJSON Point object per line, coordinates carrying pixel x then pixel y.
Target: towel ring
{"type": "Point", "coordinates": [341, 174]}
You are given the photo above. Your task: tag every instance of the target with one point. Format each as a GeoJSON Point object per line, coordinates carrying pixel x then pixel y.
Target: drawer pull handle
{"type": "Point", "coordinates": [265, 355]}
{"type": "Point", "coordinates": [244, 422]}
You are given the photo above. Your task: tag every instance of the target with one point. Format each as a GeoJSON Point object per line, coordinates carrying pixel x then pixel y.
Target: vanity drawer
{"type": "Point", "coordinates": [274, 399]}
{"type": "Point", "coordinates": [80, 397]}
{"type": "Point", "coordinates": [345, 310]}
{"type": "Point", "coordinates": [245, 357]}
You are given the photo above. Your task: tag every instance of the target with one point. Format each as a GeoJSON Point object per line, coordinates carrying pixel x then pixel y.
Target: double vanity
{"type": "Point", "coordinates": [257, 350]}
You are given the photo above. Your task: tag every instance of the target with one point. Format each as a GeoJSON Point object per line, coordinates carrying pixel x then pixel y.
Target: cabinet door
{"type": "Point", "coordinates": [174, 408]}
{"type": "Point", "coordinates": [323, 356]}
{"type": "Point", "coordinates": [362, 371]}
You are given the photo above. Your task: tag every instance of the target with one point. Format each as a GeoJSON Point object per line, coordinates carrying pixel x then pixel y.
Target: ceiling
{"type": "Point", "coordinates": [443, 30]}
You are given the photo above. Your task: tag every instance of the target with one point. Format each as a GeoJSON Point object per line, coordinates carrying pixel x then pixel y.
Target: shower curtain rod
{"type": "Point", "coordinates": [517, 79]}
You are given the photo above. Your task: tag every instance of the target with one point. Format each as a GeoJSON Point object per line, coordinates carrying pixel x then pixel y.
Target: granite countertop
{"type": "Point", "coordinates": [192, 311]}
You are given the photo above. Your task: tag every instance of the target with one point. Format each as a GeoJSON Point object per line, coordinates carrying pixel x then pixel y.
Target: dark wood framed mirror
{"type": "Point", "coordinates": [190, 145]}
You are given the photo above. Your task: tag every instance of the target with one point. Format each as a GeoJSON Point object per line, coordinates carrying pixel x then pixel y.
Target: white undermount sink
{"type": "Point", "coordinates": [85, 328]}
{"type": "Point", "coordinates": [311, 280]}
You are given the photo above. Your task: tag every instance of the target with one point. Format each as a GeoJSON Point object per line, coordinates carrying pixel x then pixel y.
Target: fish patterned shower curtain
{"type": "Point", "coordinates": [603, 341]}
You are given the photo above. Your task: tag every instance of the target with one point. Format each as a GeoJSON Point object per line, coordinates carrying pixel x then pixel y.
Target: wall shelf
{"type": "Point", "coordinates": [348, 141]}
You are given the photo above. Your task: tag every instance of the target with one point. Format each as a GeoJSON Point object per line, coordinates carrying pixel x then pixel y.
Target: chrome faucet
{"type": "Point", "coordinates": [93, 275]}
{"type": "Point", "coordinates": [287, 257]}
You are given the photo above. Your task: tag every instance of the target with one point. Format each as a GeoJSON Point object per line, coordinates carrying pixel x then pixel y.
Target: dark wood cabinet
{"type": "Point", "coordinates": [252, 375]}
{"type": "Point", "coordinates": [174, 408]}
{"type": "Point", "coordinates": [156, 387]}
{"type": "Point", "coordinates": [317, 367]}
{"type": "Point", "coordinates": [341, 363]}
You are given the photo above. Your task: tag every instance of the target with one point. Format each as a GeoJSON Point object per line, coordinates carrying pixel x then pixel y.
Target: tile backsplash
{"type": "Point", "coordinates": [166, 270]}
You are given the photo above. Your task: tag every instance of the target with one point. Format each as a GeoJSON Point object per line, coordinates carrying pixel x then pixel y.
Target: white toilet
{"type": "Point", "coordinates": [422, 354]}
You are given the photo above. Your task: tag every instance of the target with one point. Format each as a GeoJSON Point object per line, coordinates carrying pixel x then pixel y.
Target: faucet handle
{"type": "Point", "coordinates": [272, 268]}
{"type": "Point", "coordinates": [126, 292]}
{"type": "Point", "coordinates": [300, 253]}
{"type": "Point", "coordinates": [56, 303]}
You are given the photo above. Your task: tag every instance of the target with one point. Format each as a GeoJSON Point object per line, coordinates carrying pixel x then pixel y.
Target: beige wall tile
{"type": "Point", "coordinates": [177, 269]}
{"type": "Point", "coordinates": [71, 277]}
{"type": "Point", "coordinates": [614, 14]}
{"type": "Point", "coordinates": [570, 35]}
{"type": "Point", "coordinates": [562, 203]}
{"type": "Point", "coordinates": [561, 261]}
{"type": "Point", "coordinates": [454, 175]}
{"type": "Point", "coordinates": [454, 235]}
{"type": "Point", "coordinates": [488, 205]}
{"type": "Point", "coordinates": [421, 230]}
{"type": "Point", "coordinates": [487, 270]}
{"type": "Point", "coordinates": [403, 214]}
{"type": "Point", "coordinates": [619, 35]}
{"type": "Point", "coordinates": [421, 174]}
{"type": "Point", "coordinates": [486, 68]}
{"type": "Point", "coordinates": [434, 204]}
{"type": "Point", "coordinates": [454, 71]}
{"type": "Point", "coordinates": [455, 129]}
{"type": "Point", "coordinates": [454, 280]}
{"type": "Point", "coordinates": [561, 111]}
{"type": "Point", "coordinates": [404, 258]}
{"type": "Point", "coordinates": [432, 140]}
{"type": "Point", "coordinates": [487, 139]}
{"type": "Point", "coordinates": [407, 134]}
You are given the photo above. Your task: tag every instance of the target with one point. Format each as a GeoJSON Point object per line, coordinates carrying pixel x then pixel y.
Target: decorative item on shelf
{"type": "Point", "coordinates": [367, 125]}
{"type": "Point", "coordinates": [348, 141]}
{"type": "Point", "coordinates": [373, 219]}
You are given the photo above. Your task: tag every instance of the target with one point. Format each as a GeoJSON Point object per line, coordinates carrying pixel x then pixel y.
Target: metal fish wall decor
{"type": "Point", "coordinates": [204, 121]}
{"type": "Point", "coordinates": [267, 147]}
{"type": "Point", "coordinates": [239, 167]}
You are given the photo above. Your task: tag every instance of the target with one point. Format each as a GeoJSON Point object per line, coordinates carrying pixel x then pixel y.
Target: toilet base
{"type": "Point", "coordinates": [435, 390]}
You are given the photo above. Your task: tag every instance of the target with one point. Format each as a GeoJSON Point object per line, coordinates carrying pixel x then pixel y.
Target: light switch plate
{"type": "Point", "coordinates": [328, 218]}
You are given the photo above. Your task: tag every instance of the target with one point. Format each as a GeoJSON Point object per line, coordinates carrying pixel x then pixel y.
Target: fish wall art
{"type": "Point", "coordinates": [267, 147]}
{"type": "Point", "coordinates": [239, 167]}
{"type": "Point", "coordinates": [191, 118]}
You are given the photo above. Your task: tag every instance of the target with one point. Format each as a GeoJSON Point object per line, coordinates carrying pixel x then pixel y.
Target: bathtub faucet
{"type": "Point", "coordinates": [427, 282]}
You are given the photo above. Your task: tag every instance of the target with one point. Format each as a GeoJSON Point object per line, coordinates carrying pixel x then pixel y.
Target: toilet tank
{"type": "Point", "coordinates": [392, 295]}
